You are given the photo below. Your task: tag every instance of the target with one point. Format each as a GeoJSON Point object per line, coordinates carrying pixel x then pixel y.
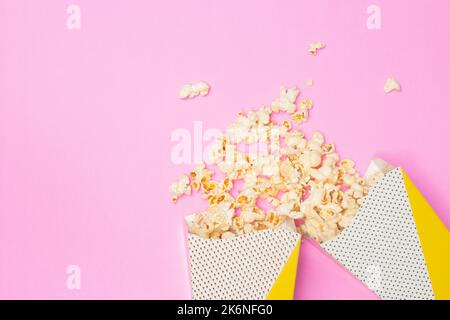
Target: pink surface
{"type": "Point", "coordinates": [86, 119]}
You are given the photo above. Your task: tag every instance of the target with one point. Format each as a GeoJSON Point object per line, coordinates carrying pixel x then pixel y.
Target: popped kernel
{"type": "Point", "coordinates": [228, 235]}
{"type": "Point", "coordinates": [180, 187]}
{"type": "Point", "coordinates": [391, 85]}
{"type": "Point", "coordinates": [300, 116]}
{"type": "Point", "coordinates": [201, 88]}
{"type": "Point", "coordinates": [315, 158]}
{"type": "Point", "coordinates": [315, 46]}
{"type": "Point", "coordinates": [186, 91]}
{"type": "Point", "coordinates": [306, 104]}
{"type": "Point", "coordinates": [200, 175]}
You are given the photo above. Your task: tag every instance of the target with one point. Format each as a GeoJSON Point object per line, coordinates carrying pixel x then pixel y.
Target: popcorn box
{"type": "Point", "coordinates": [257, 265]}
{"type": "Point", "coordinates": [396, 243]}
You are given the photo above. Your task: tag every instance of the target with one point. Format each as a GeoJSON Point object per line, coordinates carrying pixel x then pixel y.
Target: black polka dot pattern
{"type": "Point", "coordinates": [244, 267]}
{"type": "Point", "coordinates": [381, 247]}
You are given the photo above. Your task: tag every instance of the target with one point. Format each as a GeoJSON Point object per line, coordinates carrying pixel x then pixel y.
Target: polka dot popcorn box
{"type": "Point", "coordinates": [396, 243]}
{"type": "Point", "coordinates": [258, 265]}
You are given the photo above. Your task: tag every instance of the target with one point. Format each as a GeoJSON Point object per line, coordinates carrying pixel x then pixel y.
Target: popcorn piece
{"type": "Point", "coordinates": [391, 85]}
{"type": "Point", "coordinates": [180, 187]}
{"type": "Point", "coordinates": [228, 235]}
{"type": "Point", "coordinates": [300, 116]}
{"type": "Point", "coordinates": [248, 228]}
{"type": "Point", "coordinates": [309, 83]}
{"type": "Point", "coordinates": [315, 46]}
{"type": "Point", "coordinates": [315, 158]}
{"type": "Point", "coordinates": [306, 104]}
{"type": "Point", "coordinates": [200, 175]}
{"type": "Point", "coordinates": [348, 166]}
{"type": "Point", "coordinates": [201, 87]}
{"type": "Point", "coordinates": [185, 91]}
{"type": "Point", "coordinates": [193, 90]}
{"type": "Point", "coordinates": [286, 101]}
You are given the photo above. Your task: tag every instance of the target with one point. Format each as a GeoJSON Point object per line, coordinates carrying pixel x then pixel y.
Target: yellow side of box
{"type": "Point", "coordinates": [434, 238]}
{"type": "Point", "coordinates": [283, 288]}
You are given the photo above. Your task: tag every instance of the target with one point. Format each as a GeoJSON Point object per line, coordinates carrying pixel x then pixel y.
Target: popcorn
{"type": "Point", "coordinates": [302, 178]}
{"type": "Point", "coordinates": [186, 92]}
{"type": "Point", "coordinates": [193, 90]}
{"type": "Point", "coordinates": [228, 235]}
{"type": "Point", "coordinates": [391, 85]}
{"type": "Point", "coordinates": [306, 104]}
{"type": "Point", "coordinates": [286, 101]}
{"type": "Point", "coordinates": [248, 228]}
{"type": "Point", "coordinates": [309, 83]}
{"type": "Point", "coordinates": [201, 88]}
{"type": "Point", "coordinates": [200, 175]}
{"type": "Point", "coordinates": [315, 158]}
{"type": "Point", "coordinates": [315, 46]}
{"type": "Point", "coordinates": [348, 166]}
{"type": "Point", "coordinates": [180, 187]}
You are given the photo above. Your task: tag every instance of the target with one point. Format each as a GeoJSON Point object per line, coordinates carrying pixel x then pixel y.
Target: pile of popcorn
{"type": "Point", "coordinates": [302, 180]}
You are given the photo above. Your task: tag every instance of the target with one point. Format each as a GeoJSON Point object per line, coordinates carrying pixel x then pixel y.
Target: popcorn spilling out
{"type": "Point", "coordinates": [193, 90]}
{"type": "Point", "coordinates": [315, 47]}
{"type": "Point", "coordinates": [301, 179]}
{"type": "Point", "coordinates": [391, 85]}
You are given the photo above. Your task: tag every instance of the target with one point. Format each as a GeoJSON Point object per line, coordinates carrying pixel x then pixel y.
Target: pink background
{"type": "Point", "coordinates": [86, 119]}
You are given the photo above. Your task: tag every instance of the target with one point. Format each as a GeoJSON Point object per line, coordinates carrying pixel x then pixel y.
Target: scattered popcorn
{"type": "Point", "coordinates": [193, 90]}
{"type": "Point", "coordinates": [303, 179]}
{"type": "Point", "coordinates": [315, 46]}
{"type": "Point", "coordinates": [391, 85]}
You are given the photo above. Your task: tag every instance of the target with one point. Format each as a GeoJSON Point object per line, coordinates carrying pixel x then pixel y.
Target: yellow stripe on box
{"type": "Point", "coordinates": [434, 238]}
{"type": "Point", "coordinates": [283, 288]}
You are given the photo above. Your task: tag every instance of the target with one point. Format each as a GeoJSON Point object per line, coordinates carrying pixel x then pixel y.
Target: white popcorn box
{"type": "Point", "coordinates": [396, 243]}
{"type": "Point", "coordinates": [258, 265]}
